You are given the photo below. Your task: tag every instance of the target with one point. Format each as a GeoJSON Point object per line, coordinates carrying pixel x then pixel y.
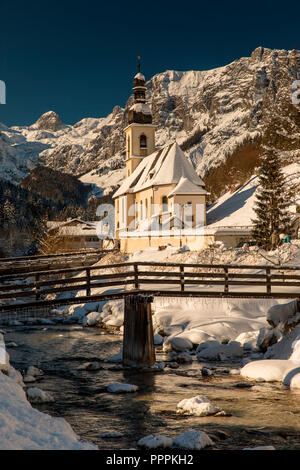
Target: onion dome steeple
{"type": "Point", "coordinates": [139, 112]}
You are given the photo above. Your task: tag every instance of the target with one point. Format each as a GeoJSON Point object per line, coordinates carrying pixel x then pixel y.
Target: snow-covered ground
{"type": "Point", "coordinates": [24, 428]}
{"type": "Point", "coordinates": [237, 209]}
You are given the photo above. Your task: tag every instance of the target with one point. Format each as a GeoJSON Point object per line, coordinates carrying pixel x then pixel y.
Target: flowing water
{"type": "Point", "coordinates": [262, 414]}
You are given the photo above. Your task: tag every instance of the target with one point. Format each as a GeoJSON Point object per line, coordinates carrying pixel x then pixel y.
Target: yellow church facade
{"type": "Point", "coordinates": [162, 199]}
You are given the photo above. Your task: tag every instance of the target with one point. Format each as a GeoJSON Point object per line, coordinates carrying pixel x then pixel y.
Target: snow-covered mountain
{"type": "Point", "coordinates": [222, 118]}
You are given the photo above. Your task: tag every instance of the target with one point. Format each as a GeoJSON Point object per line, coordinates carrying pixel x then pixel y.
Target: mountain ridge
{"type": "Point", "coordinates": [222, 118]}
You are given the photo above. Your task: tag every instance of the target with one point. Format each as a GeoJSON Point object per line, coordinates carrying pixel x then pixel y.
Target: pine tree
{"type": "Point", "coordinates": [272, 202]}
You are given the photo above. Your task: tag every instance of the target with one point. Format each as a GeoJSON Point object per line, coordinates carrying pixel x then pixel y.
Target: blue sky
{"type": "Point", "coordinates": [78, 58]}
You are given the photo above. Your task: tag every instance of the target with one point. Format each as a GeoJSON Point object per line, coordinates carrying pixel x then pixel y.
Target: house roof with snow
{"type": "Point", "coordinates": [165, 166]}
{"type": "Point", "coordinates": [73, 227]}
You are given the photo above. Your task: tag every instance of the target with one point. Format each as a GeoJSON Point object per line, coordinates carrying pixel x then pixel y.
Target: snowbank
{"type": "Point", "coordinates": [198, 320]}
{"type": "Point", "coordinates": [197, 406]}
{"type": "Point", "coordinates": [24, 428]}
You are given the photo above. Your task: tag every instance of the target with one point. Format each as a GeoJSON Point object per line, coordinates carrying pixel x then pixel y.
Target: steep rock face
{"type": "Point", "coordinates": [222, 119]}
{"type": "Point", "coordinates": [49, 121]}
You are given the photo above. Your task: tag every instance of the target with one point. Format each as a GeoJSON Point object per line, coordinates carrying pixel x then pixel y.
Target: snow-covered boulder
{"type": "Point", "coordinates": [183, 358]}
{"type": "Point", "coordinates": [29, 379]}
{"type": "Point", "coordinates": [92, 319]}
{"type": "Point", "coordinates": [267, 337]}
{"type": "Point", "coordinates": [154, 442]}
{"type": "Point", "coordinates": [195, 336]}
{"type": "Point", "coordinates": [36, 395]}
{"type": "Point", "coordinates": [192, 440]}
{"type": "Point", "coordinates": [113, 313]}
{"type": "Point", "coordinates": [220, 352]}
{"type": "Point", "coordinates": [286, 347]}
{"type": "Point", "coordinates": [34, 371]}
{"type": "Point", "coordinates": [248, 339]}
{"type": "Point", "coordinates": [115, 321]}
{"type": "Point", "coordinates": [158, 340]}
{"type": "Point", "coordinates": [292, 378]}
{"type": "Point", "coordinates": [206, 344]}
{"type": "Point", "coordinates": [269, 370]}
{"type": "Point", "coordinates": [117, 387]}
{"type": "Point", "coordinates": [197, 406]}
{"type": "Point", "coordinates": [282, 313]}
{"type": "Point", "coordinates": [180, 344]}
{"type": "Point", "coordinates": [81, 310]}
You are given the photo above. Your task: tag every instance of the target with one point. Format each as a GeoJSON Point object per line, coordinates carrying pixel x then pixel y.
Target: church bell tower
{"type": "Point", "coordinates": [140, 132]}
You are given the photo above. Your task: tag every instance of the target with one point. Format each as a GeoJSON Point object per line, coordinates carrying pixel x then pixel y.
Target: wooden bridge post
{"type": "Point", "coordinates": [37, 290]}
{"type": "Point", "coordinates": [138, 343]}
{"type": "Point", "coordinates": [136, 275]}
{"type": "Point", "coordinates": [268, 280]}
{"type": "Point", "coordinates": [88, 282]}
{"type": "Point", "coordinates": [226, 285]}
{"type": "Point", "coordinates": [181, 278]}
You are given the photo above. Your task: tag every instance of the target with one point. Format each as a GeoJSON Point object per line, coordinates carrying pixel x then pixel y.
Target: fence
{"type": "Point", "coordinates": [34, 287]}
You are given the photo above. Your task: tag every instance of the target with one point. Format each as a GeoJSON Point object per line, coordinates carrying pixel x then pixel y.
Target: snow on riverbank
{"type": "Point", "coordinates": [282, 359]}
{"type": "Point", "coordinates": [25, 428]}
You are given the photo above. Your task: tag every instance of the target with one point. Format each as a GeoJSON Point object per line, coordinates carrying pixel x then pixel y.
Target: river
{"type": "Point", "coordinates": [262, 414]}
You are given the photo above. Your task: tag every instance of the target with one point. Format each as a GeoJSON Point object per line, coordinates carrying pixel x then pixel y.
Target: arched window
{"type": "Point", "coordinates": [128, 145]}
{"type": "Point", "coordinates": [164, 203]}
{"type": "Point", "coordinates": [146, 208]}
{"type": "Point", "coordinates": [143, 141]}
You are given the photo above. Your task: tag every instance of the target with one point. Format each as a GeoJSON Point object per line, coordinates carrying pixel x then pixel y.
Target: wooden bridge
{"type": "Point", "coordinates": [137, 283]}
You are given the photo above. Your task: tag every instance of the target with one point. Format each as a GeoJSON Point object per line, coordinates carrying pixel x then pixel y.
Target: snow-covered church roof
{"type": "Point", "coordinates": [186, 186]}
{"type": "Point", "coordinates": [165, 166]}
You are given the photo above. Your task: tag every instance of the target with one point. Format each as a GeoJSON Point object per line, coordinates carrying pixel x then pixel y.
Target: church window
{"type": "Point", "coordinates": [128, 145]}
{"type": "Point", "coordinates": [146, 208]}
{"type": "Point", "coordinates": [143, 141]}
{"type": "Point", "coordinates": [164, 203]}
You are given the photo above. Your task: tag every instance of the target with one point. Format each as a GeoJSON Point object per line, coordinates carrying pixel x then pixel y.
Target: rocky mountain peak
{"type": "Point", "coordinates": [223, 119]}
{"type": "Point", "coordinates": [49, 121]}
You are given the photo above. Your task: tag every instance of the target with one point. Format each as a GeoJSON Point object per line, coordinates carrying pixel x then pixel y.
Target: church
{"type": "Point", "coordinates": [162, 200]}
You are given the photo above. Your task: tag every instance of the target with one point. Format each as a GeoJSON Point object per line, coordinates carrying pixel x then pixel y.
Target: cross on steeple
{"type": "Point", "coordinates": [139, 63]}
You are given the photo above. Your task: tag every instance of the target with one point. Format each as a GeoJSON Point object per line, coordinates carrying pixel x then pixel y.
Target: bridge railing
{"type": "Point", "coordinates": [175, 278]}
